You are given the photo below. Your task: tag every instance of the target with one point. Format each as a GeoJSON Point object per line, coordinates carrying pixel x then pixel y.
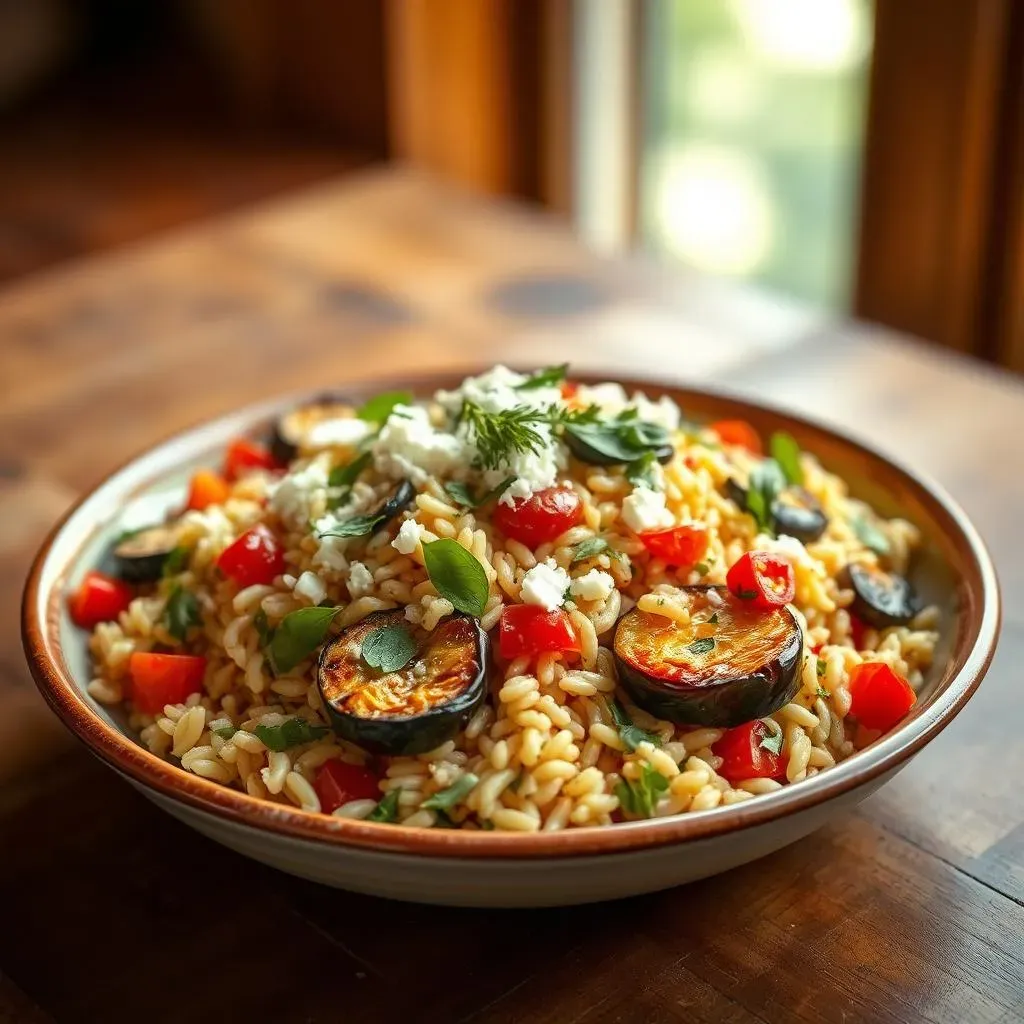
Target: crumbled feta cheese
{"type": "Point", "coordinates": [595, 585]}
{"type": "Point", "coordinates": [330, 554]}
{"type": "Point", "coordinates": [495, 390]}
{"type": "Point", "coordinates": [644, 510]}
{"type": "Point", "coordinates": [296, 493]}
{"type": "Point", "coordinates": [344, 431]}
{"type": "Point", "coordinates": [533, 471]}
{"type": "Point", "coordinates": [408, 539]}
{"type": "Point", "coordinates": [310, 587]}
{"type": "Point", "coordinates": [611, 399]}
{"type": "Point", "coordinates": [664, 411]}
{"type": "Point", "coordinates": [545, 585]}
{"type": "Point", "coordinates": [608, 397]}
{"type": "Point", "coordinates": [408, 446]}
{"type": "Point", "coordinates": [360, 580]}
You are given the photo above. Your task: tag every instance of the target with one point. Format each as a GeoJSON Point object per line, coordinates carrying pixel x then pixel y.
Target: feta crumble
{"type": "Point", "coordinates": [409, 446]}
{"type": "Point", "coordinates": [644, 510]}
{"type": "Point", "coordinates": [360, 580]}
{"type": "Point", "coordinates": [545, 585]}
{"type": "Point", "coordinates": [343, 431]}
{"type": "Point", "coordinates": [294, 497]}
{"type": "Point", "coordinates": [595, 585]}
{"type": "Point", "coordinates": [310, 587]}
{"type": "Point", "coordinates": [408, 539]}
{"type": "Point", "coordinates": [611, 398]}
{"type": "Point", "coordinates": [495, 391]}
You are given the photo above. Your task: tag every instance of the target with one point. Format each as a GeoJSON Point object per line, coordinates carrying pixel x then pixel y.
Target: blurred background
{"type": "Point", "coordinates": [862, 158]}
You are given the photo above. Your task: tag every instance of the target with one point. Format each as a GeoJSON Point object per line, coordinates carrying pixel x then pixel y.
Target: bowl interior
{"type": "Point", "coordinates": [952, 571]}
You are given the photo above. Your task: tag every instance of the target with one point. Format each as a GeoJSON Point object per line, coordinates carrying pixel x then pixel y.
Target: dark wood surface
{"type": "Point", "coordinates": [910, 909]}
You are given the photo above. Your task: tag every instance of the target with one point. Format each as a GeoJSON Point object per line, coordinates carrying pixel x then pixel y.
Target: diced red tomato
{"type": "Point", "coordinates": [207, 488]}
{"type": "Point", "coordinates": [879, 697]}
{"type": "Point", "coordinates": [99, 599]}
{"type": "Point", "coordinates": [739, 433]}
{"type": "Point", "coordinates": [529, 629]}
{"type": "Point", "coordinates": [244, 456]}
{"type": "Point", "coordinates": [679, 545]}
{"type": "Point", "coordinates": [762, 578]}
{"type": "Point", "coordinates": [541, 517]}
{"type": "Point", "coordinates": [568, 389]}
{"type": "Point", "coordinates": [256, 557]}
{"type": "Point", "coordinates": [858, 627]}
{"type": "Point", "coordinates": [338, 782]}
{"type": "Point", "coordinates": [744, 757]}
{"type": "Point", "coordinates": [159, 679]}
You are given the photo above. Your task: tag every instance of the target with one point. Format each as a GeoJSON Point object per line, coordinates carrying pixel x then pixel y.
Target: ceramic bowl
{"type": "Point", "coordinates": [481, 868]}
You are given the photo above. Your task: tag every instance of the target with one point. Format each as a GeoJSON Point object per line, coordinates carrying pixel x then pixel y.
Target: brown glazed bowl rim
{"type": "Point", "coordinates": [978, 619]}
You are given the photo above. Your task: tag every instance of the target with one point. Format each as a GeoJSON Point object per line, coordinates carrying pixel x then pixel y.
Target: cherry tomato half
{"type": "Point", "coordinates": [879, 697]}
{"type": "Point", "coordinates": [529, 629]}
{"type": "Point", "coordinates": [99, 599]}
{"type": "Point", "coordinates": [541, 517]}
{"type": "Point", "coordinates": [744, 755]}
{"type": "Point", "coordinates": [244, 455]}
{"type": "Point", "coordinates": [338, 782]}
{"type": "Point", "coordinates": [256, 557]}
{"type": "Point", "coordinates": [159, 679]}
{"type": "Point", "coordinates": [678, 545]}
{"type": "Point", "coordinates": [739, 433]}
{"type": "Point", "coordinates": [764, 579]}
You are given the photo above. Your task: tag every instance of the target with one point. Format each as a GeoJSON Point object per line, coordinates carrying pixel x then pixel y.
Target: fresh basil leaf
{"type": "Point", "coordinates": [457, 575]}
{"type": "Point", "coordinates": [639, 797]}
{"type": "Point", "coordinates": [386, 809]}
{"type": "Point", "coordinates": [345, 476]}
{"type": "Point", "coordinates": [786, 452]}
{"type": "Point", "coordinates": [823, 693]}
{"type": "Point", "coordinates": [641, 473]}
{"type": "Point", "coordinates": [290, 733]}
{"type": "Point", "coordinates": [870, 535]}
{"type": "Point", "coordinates": [766, 481]}
{"type": "Point", "coordinates": [590, 547]}
{"type": "Point", "coordinates": [631, 735]}
{"type": "Point", "coordinates": [357, 526]}
{"type": "Point", "coordinates": [546, 378]}
{"type": "Point", "coordinates": [181, 612]}
{"type": "Point", "coordinates": [225, 732]}
{"type": "Point", "coordinates": [618, 442]}
{"type": "Point", "coordinates": [388, 648]}
{"type": "Point", "coordinates": [176, 561]}
{"type": "Point", "coordinates": [704, 645]}
{"type": "Point", "coordinates": [380, 407]}
{"type": "Point", "coordinates": [460, 493]}
{"type": "Point", "coordinates": [628, 414]}
{"type": "Point", "coordinates": [297, 636]}
{"type": "Point", "coordinates": [446, 799]}
{"type": "Point", "coordinates": [772, 742]}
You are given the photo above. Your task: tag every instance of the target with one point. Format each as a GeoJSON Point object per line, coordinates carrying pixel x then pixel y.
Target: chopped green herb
{"type": "Point", "coordinates": [714, 619]}
{"type": "Point", "coordinates": [357, 526]}
{"type": "Point", "coordinates": [290, 733]}
{"type": "Point", "coordinates": [387, 809]}
{"type": "Point", "coordinates": [546, 378]}
{"type": "Point", "coordinates": [786, 452]}
{"type": "Point", "coordinates": [773, 742]}
{"type": "Point", "coordinates": [380, 407]}
{"type": "Point", "coordinates": [457, 575]}
{"type": "Point", "coordinates": [823, 693]}
{"type": "Point", "coordinates": [388, 648]}
{"type": "Point", "coordinates": [631, 735]}
{"type": "Point", "coordinates": [704, 645]}
{"type": "Point", "coordinates": [702, 568]}
{"type": "Point", "coordinates": [820, 668]}
{"type": "Point", "coordinates": [297, 636]}
{"type": "Point", "coordinates": [225, 732]}
{"type": "Point", "coordinates": [641, 472]}
{"type": "Point", "coordinates": [262, 627]}
{"type": "Point", "coordinates": [593, 546]}
{"type": "Point", "coordinates": [766, 481]}
{"type": "Point", "coordinates": [446, 799]}
{"type": "Point", "coordinates": [639, 797]}
{"type": "Point", "coordinates": [498, 435]}
{"type": "Point", "coordinates": [181, 612]}
{"type": "Point", "coordinates": [870, 535]}
{"type": "Point", "coordinates": [345, 476]}
{"type": "Point", "coordinates": [176, 561]}
{"type": "Point", "coordinates": [462, 495]}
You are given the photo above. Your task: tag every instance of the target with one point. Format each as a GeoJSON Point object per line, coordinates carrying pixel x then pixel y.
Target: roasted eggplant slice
{"type": "Point", "coordinates": [401, 498]}
{"type": "Point", "coordinates": [415, 708]}
{"type": "Point", "coordinates": [731, 664]}
{"type": "Point", "coordinates": [291, 431]}
{"type": "Point", "coordinates": [795, 512]}
{"type": "Point", "coordinates": [140, 557]}
{"type": "Point", "coordinates": [881, 598]}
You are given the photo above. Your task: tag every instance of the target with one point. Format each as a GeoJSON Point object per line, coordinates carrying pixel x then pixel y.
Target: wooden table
{"type": "Point", "coordinates": [912, 909]}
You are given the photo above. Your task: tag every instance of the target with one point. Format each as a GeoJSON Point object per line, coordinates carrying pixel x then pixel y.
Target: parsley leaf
{"type": "Point", "coordinates": [290, 733]}
{"type": "Point", "coordinates": [345, 476]}
{"type": "Point", "coordinates": [176, 561]}
{"type": "Point", "coordinates": [870, 535]}
{"type": "Point", "coordinates": [593, 546]}
{"type": "Point", "coordinates": [639, 797]}
{"type": "Point", "coordinates": [548, 377]}
{"type": "Point", "coordinates": [786, 452]}
{"type": "Point", "coordinates": [225, 732]}
{"type": "Point", "coordinates": [766, 481]}
{"type": "Point", "coordinates": [446, 799]}
{"type": "Point", "coordinates": [380, 407]}
{"type": "Point", "coordinates": [823, 693]}
{"type": "Point", "coordinates": [641, 472]}
{"type": "Point", "coordinates": [704, 645]}
{"type": "Point", "coordinates": [297, 636]}
{"type": "Point", "coordinates": [388, 648]}
{"type": "Point", "coordinates": [457, 575]}
{"type": "Point", "coordinates": [772, 742]}
{"type": "Point", "coordinates": [181, 612]}
{"type": "Point", "coordinates": [631, 735]}
{"type": "Point", "coordinates": [357, 526]}
{"type": "Point", "coordinates": [386, 809]}
{"type": "Point", "coordinates": [821, 668]}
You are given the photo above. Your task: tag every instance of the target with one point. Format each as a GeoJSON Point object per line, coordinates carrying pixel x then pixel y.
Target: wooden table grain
{"type": "Point", "coordinates": [911, 909]}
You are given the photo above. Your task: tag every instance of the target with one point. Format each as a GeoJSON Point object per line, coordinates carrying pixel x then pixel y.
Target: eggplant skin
{"type": "Point", "coordinates": [140, 557]}
{"type": "Point", "coordinates": [716, 694]}
{"type": "Point", "coordinates": [395, 733]}
{"type": "Point", "coordinates": [287, 433]}
{"type": "Point", "coordinates": [880, 598]}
